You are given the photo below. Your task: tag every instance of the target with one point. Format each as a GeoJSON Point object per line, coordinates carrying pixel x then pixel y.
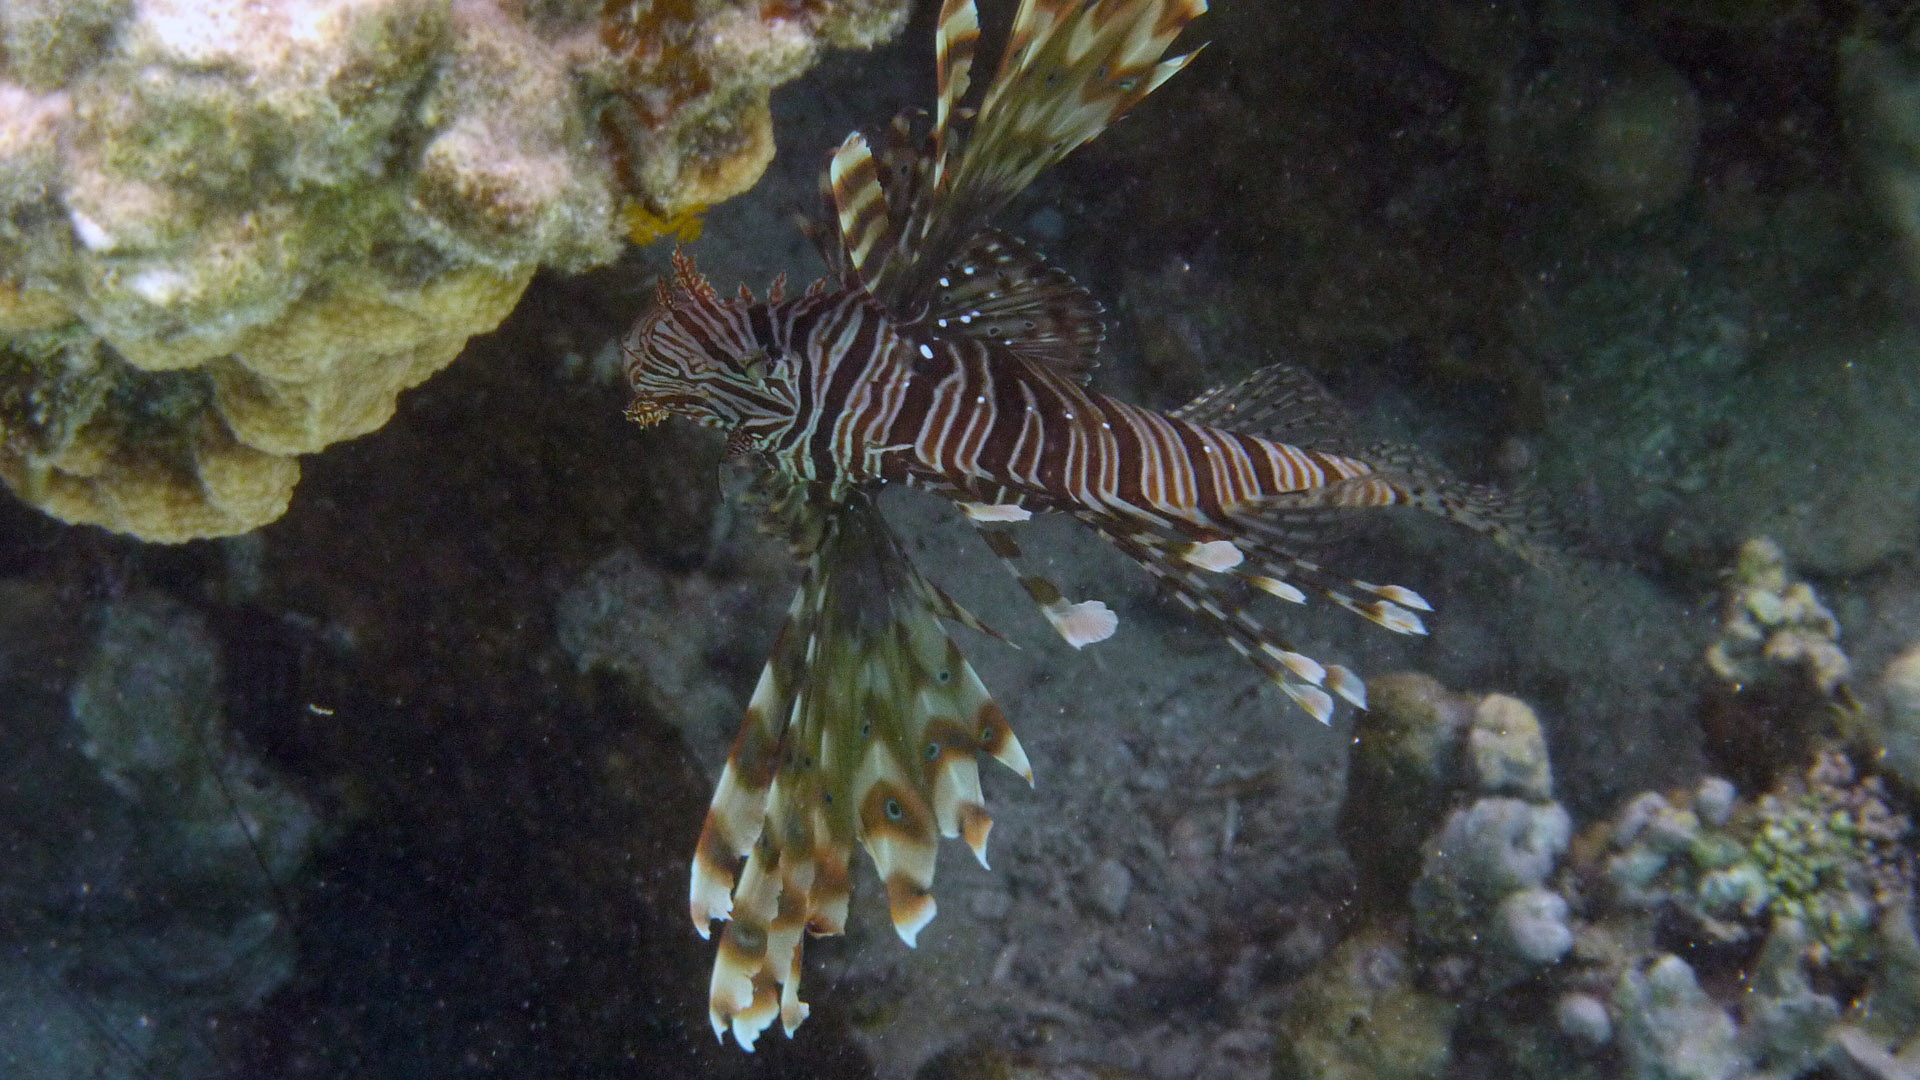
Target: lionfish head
{"type": "Point", "coordinates": [696, 356]}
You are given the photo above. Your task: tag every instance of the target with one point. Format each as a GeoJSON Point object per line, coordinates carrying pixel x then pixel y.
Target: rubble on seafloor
{"type": "Point", "coordinates": [231, 233]}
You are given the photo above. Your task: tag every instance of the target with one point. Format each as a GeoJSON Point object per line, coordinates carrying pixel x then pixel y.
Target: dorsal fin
{"type": "Point", "coordinates": [1003, 291]}
{"type": "Point", "coordinates": [954, 41]}
{"type": "Point", "coordinates": [856, 193]}
{"type": "Point", "coordinates": [1280, 402]}
{"type": "Point", "coordinates": [1072, 67]}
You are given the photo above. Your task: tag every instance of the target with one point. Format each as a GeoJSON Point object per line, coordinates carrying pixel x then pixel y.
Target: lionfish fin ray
{"type": "Point", "coordinates": [1281, 402]}
{"type": "Point", "coordinates": [1079, 623]}
{"type": "Point", "coordinates": [856, 191]}
{"type": "Point", "coordinates": [1207, 592]}
{"type": "Point", "coordinates": [1070, 69]}
{"type": "Point", "coordinates": [866, 728]}
{"type": "Point", "coordinates": [1001, 291]}
{"type": "Point", "coordinates": [955, 38]}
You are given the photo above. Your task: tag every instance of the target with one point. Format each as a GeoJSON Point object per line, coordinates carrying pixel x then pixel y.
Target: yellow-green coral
{"type": "Point", "coordinates": [1822, 851]}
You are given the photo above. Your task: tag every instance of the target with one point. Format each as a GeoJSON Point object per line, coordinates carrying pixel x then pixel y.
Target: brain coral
{"type": "Point", "coordinates": [232, 231]}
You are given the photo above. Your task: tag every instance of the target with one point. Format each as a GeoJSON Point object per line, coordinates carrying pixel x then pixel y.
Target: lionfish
{"type": "Point", "coordinates": [945, 355]}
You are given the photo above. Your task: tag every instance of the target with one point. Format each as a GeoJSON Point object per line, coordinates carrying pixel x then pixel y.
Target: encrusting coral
{"type": "Point", "coordinates": [1772, 623]}
{"type": "Point", "coordinates": [1822, 851]}
{"type": "Point", "coordinates": [231, 233]}
{"type": "Point", "coordinates": [1700, 934]}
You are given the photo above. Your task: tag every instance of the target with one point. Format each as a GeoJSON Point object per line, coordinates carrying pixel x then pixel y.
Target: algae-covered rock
{"type": "Point", "coordinates": [1481, 897]}
{"type": "Point", "coordinates": [1407, 760]}
{"type": "Point", "coordinates": [1771, 624]}
{"type": "Point", "coordinates": [1477, 886]}
{"type": "Point", "coordinates": [1823, 850]}
{"type": "Point", "coordinates": [1509, 750]}
{"type": "Point", "coordinates": [1669, 1029]}
{"type": "Point", "coordinates": [150, 857]}
{"type": "Point", "coordinates": [1359, 1016]}
{"type": "Point", "coordinates": [1895, 728]}
{"type": "Point", "coordinates": [1784, 1020]}
{"type": "Point", "coordinates": [231, 233]}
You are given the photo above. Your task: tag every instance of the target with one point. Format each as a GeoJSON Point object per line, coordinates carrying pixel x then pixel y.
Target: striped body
{"type": "Point", "coordinates": [825, 388]}
{"type": "Point", "coordinates": [1006, 431]}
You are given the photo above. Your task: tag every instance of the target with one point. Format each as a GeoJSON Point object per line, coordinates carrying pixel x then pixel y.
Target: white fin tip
{"type": "Point", "coordinates": [975, 825]}
{"type": "Point", "coordinates": [1276, 587]}
{"type": "Point", "coordinates": [709, 898]}
{"type": "Point", "coordinates": [747, 1027]}
{"type": "Point", "coordinates": [1348, 685]}
{"type": "Point", "coordinates": [1313, 699]}
{"type": "Point", "coordinates": [909, 919]}
{"type": "Point", "coordinates": [1084, 623]}
{"type": "Point", "coordinates": [1383, 613]}
{"type": "Point", "coordinates": [1397, 619]}
{"type": "Point", "coordinates": [1398, 594]}
{"type": "Point", "coordinates": [1215, 555]}
{"type": "Point", "coordinates": [1305, 667]}
{"type": "Point", "coordinates": [996, 511]}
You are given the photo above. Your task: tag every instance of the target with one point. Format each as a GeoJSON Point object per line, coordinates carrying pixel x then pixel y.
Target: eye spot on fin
{"type": "Point", "coordinates": [894, 810]}
{"type": "Point", "coordinates": [943, 676]}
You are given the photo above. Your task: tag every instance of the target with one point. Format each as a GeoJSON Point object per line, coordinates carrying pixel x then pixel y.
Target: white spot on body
{"type": "Point", "coordinates": [926, 351]}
